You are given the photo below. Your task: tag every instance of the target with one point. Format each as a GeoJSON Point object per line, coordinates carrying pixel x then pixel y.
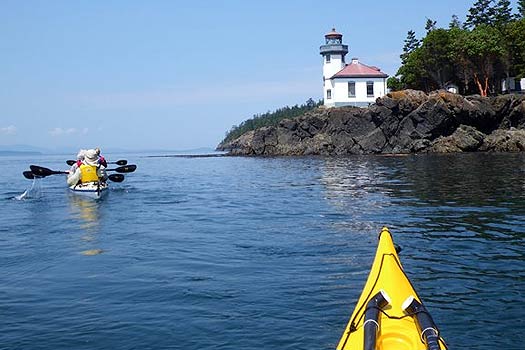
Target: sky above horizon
{"type": "Point", "coordinates": [177, 75]}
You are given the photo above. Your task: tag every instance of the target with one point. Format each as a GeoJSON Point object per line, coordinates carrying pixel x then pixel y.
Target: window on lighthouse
{"type": "Point", "coordinates": [327, 58]}
{"type": "Point", "coordinates": [328, 94]}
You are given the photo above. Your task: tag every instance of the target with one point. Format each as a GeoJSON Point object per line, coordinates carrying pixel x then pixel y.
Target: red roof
{"type": "Point", "coordinates": [359, 70]}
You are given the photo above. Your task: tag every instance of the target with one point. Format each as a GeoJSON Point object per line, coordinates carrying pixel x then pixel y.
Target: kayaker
{"type": "Point", "coordinates": [101, 160]}
{"type": "Point", "coordinates": [88, 168]}
{"type": "Point", "coordinates": [80, 158]}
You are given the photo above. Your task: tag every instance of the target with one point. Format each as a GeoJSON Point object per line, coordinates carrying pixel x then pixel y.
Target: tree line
{"type": "Point", "coordinates": [270, 118]}
{"type": "Point", "coordinates": [475, 55]}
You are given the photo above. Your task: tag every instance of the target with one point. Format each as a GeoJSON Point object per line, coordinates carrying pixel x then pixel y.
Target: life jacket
{"type": "Point", "coordinates": [88, 173]}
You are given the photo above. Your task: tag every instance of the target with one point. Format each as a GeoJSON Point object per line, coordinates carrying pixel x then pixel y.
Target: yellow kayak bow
{"type": "Point", "coordinates": [389, 314]}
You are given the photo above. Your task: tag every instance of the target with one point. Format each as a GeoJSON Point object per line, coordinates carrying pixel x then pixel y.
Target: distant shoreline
{"type": "Point", "coordinates": [20, 153]}
{"type": "Point", "coordinates": [190, 155]}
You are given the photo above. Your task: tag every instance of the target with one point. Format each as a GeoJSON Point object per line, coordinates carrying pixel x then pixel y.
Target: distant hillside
{"type": "Point", "coordinates": [10, 150]}
{"type": "Point", "coordinates": [22, 149]}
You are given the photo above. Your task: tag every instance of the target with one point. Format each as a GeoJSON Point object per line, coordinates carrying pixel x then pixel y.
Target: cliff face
{"type": "Point", "coordinates": [406, 121]}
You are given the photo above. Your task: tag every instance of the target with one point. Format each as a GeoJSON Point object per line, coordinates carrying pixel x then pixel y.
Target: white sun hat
{"type": "Point", "coordinates": [91, 157]}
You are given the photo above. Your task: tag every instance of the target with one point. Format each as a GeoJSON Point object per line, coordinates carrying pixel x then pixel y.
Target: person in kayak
{"type": "Point", "coordinates": [90, 167]}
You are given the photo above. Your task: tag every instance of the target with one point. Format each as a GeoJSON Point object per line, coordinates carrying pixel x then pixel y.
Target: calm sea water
{"type": "Point", "coordinates": [258, 253]}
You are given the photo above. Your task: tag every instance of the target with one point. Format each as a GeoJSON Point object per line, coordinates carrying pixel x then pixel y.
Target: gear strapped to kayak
{"type": "Point", "coordinates": [389, 314]}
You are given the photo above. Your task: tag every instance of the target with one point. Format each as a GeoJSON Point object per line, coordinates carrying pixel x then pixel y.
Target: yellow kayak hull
{"type": "Point", "coordinates": [397, 330]}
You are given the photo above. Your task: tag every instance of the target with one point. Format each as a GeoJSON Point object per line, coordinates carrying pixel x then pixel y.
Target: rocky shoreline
{"type": "Point", "coordinates": [402, 122]}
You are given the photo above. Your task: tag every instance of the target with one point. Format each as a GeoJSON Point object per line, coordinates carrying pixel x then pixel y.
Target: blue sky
{"type": "Point", "coordinates": [178, 74]}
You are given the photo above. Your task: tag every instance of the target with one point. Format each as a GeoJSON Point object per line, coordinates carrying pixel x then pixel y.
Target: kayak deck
{"type": "Point", "coordinates": [396, 329]}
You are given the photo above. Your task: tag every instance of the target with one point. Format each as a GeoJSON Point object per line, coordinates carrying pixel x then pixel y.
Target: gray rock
{"type": "Point", "coordinates": [464, 139]}
{"type": "Point", "coordinates": [512, 140]}
{"type": "Point", "coordinates": [402, 122]}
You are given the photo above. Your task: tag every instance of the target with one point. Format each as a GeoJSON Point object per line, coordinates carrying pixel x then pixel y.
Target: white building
{"type": "Point", "coordinates": [513, 85]}
{"type": "Point", "coordinates": [353, 84]}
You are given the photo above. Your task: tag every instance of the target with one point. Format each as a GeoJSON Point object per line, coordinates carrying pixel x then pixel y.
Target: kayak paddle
{"type": "Point", "coordinates": [124, 169]}
{"type": "Point", "coordinates": [116, 177]}
{"type": "Point", "coordinates": [43, 172]}
{"type": "Point", "coordinates": [28, 175]}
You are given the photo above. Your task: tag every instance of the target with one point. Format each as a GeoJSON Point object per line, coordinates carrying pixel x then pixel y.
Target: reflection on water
{"type": "Point", "coordinates": [437, 192]}
{"type": "Point", "coordinates": [90, 252]}
{"type": "Point", "coordinates": [87, 212]}
{"type": "Point", "coordinates": [352, 178]}
{"type": "Point", "coordinates": [473, 179]}
{"type": "Point", "coordinates": [358, 187]}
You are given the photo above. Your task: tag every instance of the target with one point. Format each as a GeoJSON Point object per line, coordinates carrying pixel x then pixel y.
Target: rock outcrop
{"type": "Point", "coordinates": [406, 121]}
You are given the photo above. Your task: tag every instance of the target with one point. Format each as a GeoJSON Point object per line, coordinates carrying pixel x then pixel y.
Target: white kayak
{"type": "Point", "coordinates": [94, 190]}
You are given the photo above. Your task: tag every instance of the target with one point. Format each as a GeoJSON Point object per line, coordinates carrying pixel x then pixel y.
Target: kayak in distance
{"type": "Point", "coordinates": [91, 185]}
{"type": "Point", "coordinates": [389, 314]}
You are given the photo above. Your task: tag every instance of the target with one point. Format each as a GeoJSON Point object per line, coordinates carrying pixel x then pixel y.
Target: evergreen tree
{"type": "Point", "coordinates": [482, 12]}
{"type": "Point", "coordinates": [310, 103]}
{"type": "Point", "coordinates": [502, 12]}
{"type": "Point", "coordinates": [521, 9]}
{"type": "Point", "coordinates": [455, 23]}
{"type": "Point", "coordinates": [430, 25]}
{"type": "Point", "coordinates": [411, 43]}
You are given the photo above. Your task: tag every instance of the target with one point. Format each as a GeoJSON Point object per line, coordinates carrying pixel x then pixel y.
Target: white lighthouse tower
{"type": "Point", "coordinates": [333, 52]}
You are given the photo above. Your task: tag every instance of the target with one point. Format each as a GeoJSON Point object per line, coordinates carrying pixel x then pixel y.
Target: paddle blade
{"type": "Point", "coordinates": [116, 177]}
{"type": "Point", "coordinates": [41, 171]}
{"type": "Point", "coordinates": [125, 169]}
{"type": "Point", "coordinates": [70, 162]}
{"type": "Point", "coordinates": [28, 175]}
{"type": "Point", "coordinates": [121, 162]}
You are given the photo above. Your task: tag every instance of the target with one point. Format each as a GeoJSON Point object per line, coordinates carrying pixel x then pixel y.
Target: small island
{"type": "Point", "coordinates": [407, 121]}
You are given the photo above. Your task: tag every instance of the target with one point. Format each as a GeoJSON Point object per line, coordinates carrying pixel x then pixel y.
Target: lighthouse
{"type": "Point", "coordinates": [353, 84]}
{"type": "Point", "coordinates": [333, 52]}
